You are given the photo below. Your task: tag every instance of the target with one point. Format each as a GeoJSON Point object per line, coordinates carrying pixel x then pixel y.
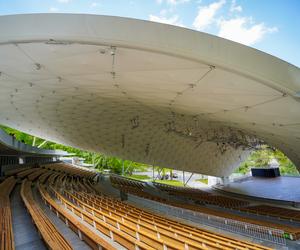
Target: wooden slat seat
{"type": "Point", "coordinates": [116, 216]}
{"type": "Point", "coordinates": [44, 177]}
{"type": "Point", "coordinates": [118, 221]}
{"type": "Point", "coordinates": [25, 173]}
{"type": "Point", "coordinates": [125, 237]}
{"type": "Point", "coordinates": [294, 232]}
{"type": "Point", "coordinates": [90, 237]}
{"type": "Point", "coordinates": [6, 232]}
{"type": "Point", "coordinates": [71, 170]}
{"type": "Point", "coordinates": [279, 212]}
{"type": "Point", "coordinates": [11, 172]}
{"type": "Point", "coordinates": [52, 178]}
{"type": "Point", "coordinates": [52, 237]}
{"type": "Point", "coordinates": [36, 174]}
{"type": "Point", "coordinates": [110, 231]}
{"type": "Point", "coordinates": [164, 224]}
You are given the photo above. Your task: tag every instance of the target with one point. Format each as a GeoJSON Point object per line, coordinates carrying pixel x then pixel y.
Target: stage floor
{"type": "Point", "coordinates": [279, 188]}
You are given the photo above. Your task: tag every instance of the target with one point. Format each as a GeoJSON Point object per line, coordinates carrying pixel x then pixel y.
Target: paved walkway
{"type": "Point", "coordinates": [25, 234]}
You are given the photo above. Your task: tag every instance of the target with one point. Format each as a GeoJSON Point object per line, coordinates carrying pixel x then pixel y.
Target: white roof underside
{"type": "Point", "coordinates": [147, 92]}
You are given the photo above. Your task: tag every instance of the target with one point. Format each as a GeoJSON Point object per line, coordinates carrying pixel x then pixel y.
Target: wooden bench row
{"type": "Point", "coordinates": [50, 234]}
{"type": "Point", "coordinates": [279, 212]}
{"type": "Point", "coordinates": [11, 172]}
{"type": "Point", "coordinates": [44, 177]}
{"type": "Point", "coordinates": [25, 173]}
{"type": "Point", "coordinates": [126, 238]}
{"type": "Point", "coordinates": [114, 234]}
{"type": "Point", "coordinates": [141, 218]}
{"type": "Point", "coordinates": [202, 197]}
{"type": "Point", "coordinates": [182, 190]}
{"type": "Point", "coordinates": [33, 176]}
{"type": "Point", "coordinates": [6, 231]}
{"type": "Point", "coordinates": [90, 237]}
{"type": "Point", "coordinates": [146, 233]}
{"type": "Point", "coordinates": [293, 232]}
{"type": "Point", "coordinates": [71, 170]}
{"type": "Point", "coordinates": [122, 181]}
{"type": "Point", "coordinates": [7, 186]}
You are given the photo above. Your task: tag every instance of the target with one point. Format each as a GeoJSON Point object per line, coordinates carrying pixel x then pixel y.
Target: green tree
{"type": "Point", "coordinates": [262, 157]}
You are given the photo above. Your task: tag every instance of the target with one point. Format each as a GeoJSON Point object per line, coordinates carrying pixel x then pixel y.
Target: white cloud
{"type": "Point", "coordinates": [163, 12]}
{"type": "Point", "coordinates": [174, 20]}
{"type": "Point", "coordinates": [172, 2]}
{"type": "Point", "coordinates": [94, 4]}
{"type": "Point", "coordinates": [53, 9]}
{"type": "Point", "coordinates": [206, 15]}
{"type": "Point", "coordinates": [243, 30]}
{"type": "Point", "coordinates": [234, 7]}
{"type": "Point", "coordinates": [64, 1]}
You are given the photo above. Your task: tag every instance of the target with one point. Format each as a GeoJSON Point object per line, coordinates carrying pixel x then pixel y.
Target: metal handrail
{"type": "Point", "coordinates": [251, 230]}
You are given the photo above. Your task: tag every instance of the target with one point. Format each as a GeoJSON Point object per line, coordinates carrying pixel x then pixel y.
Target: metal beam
{"type": "Point", "coordinates": [184, 184]}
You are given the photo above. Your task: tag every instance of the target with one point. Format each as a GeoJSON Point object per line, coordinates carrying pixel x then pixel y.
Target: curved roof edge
{"type": "Point", "coordinates": [15, 147]}
{"type": "Point", "coordinates": [157, 37]}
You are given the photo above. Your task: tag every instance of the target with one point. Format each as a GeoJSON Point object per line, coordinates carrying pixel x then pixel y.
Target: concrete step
{"type": "Point", "coordinates": [26, 236]}
{"type": "Point", "coordinates": [69, 235]}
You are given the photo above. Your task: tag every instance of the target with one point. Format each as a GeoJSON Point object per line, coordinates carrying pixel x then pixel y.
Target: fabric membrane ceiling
{"type": "Point", "coordinates": [147, 92]}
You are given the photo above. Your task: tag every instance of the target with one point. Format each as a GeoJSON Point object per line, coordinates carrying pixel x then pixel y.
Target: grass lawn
{"type": "Point", "coordinates": [205, 181]}
{"type": "Point", "coordinates": [139, 177]}
{"type": "Point", "coordinates": [171, 182]}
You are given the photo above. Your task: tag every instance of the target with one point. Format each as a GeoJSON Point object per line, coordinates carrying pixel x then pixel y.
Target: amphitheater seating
{"type": "Point", "coordinates": [7, 186]}
{"type": "Point", "coordinates": [279, 212]}
{"type": "Point", "coordinates": [72, 196]}
{"type": "Point", "coordinates": [108, 230]}
{"type": "Point", "coordinates": [202, 197]}
{"type": "Point", "coordinates": [50, 234]}
{"type": "Point", "coordinates": [87, 235]}
{"type": "Point", "coordinates": [148, 228]}
{"type": "Point", "coordinates": [199, 196]}
{"type": "Point", "coordinates": [294, 232]}
{"type": "Point", "coordinates": [221, 201]}
{"type": "Point", "coordinates": [52, 237]}
{"type": "Point", "coordinates": [52, 178]}
{"type": "Point", "coordinates": [44, 177]}
{"type": "Point", "coordinates": [6, 232]}
{"type": "Point", "coordinates": [132, 187]}
{"type": "Point", "coordinates": [119, 181]}
{"type": "Point", "coordinates": [180, 190]}
{"type": "Point", "coordinates": [11, 172]}
{"type": "Point", "coordinates": [36, 174]}
{"type": "Point", "coordinates": [25, 173]}
{"type": "Point", "coordinates": [71, 170]}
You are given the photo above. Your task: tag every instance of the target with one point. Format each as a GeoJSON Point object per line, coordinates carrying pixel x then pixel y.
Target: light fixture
{"type": "Point", "coordinates": [38, 66]}
{"type": "Point", "coordinates": [102, 51]}
{"type": "Point", "coordinates": [55, 42]}
{"type": "Point", "coordinates": [112, 50]}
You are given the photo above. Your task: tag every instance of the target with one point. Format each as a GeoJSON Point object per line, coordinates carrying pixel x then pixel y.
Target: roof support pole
{"type": "Point", "coordinates": [42, 144]}
{"type": "Point", "coordinates": [188, 179]}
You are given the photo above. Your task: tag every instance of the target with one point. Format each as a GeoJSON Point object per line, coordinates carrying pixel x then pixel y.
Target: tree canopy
{"type": "Point", "coordinates": [262, 158]}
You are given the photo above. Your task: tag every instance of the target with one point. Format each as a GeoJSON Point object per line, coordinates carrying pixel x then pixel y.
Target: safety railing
{"type": "Point", "coordinates": [251, 230]}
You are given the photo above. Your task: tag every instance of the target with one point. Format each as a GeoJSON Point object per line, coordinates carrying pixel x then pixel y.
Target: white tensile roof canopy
{"type": "Point", "coordinates": [147, 92]}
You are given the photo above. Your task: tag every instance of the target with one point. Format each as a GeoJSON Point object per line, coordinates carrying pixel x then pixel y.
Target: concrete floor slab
{"type": "Point", "coordinates": [279, 188]}
{"type": "Point", "coordinates": [25, 233]}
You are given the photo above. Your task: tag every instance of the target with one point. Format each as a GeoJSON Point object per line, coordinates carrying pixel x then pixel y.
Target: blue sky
{"type": "Point", "coordinates": [272, 26]}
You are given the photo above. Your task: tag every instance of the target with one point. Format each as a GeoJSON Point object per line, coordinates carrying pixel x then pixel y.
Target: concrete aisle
{"type": "Point", "coordinates": [69, 235]}
{"type": "Point", "coordinates": [25, 234]}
